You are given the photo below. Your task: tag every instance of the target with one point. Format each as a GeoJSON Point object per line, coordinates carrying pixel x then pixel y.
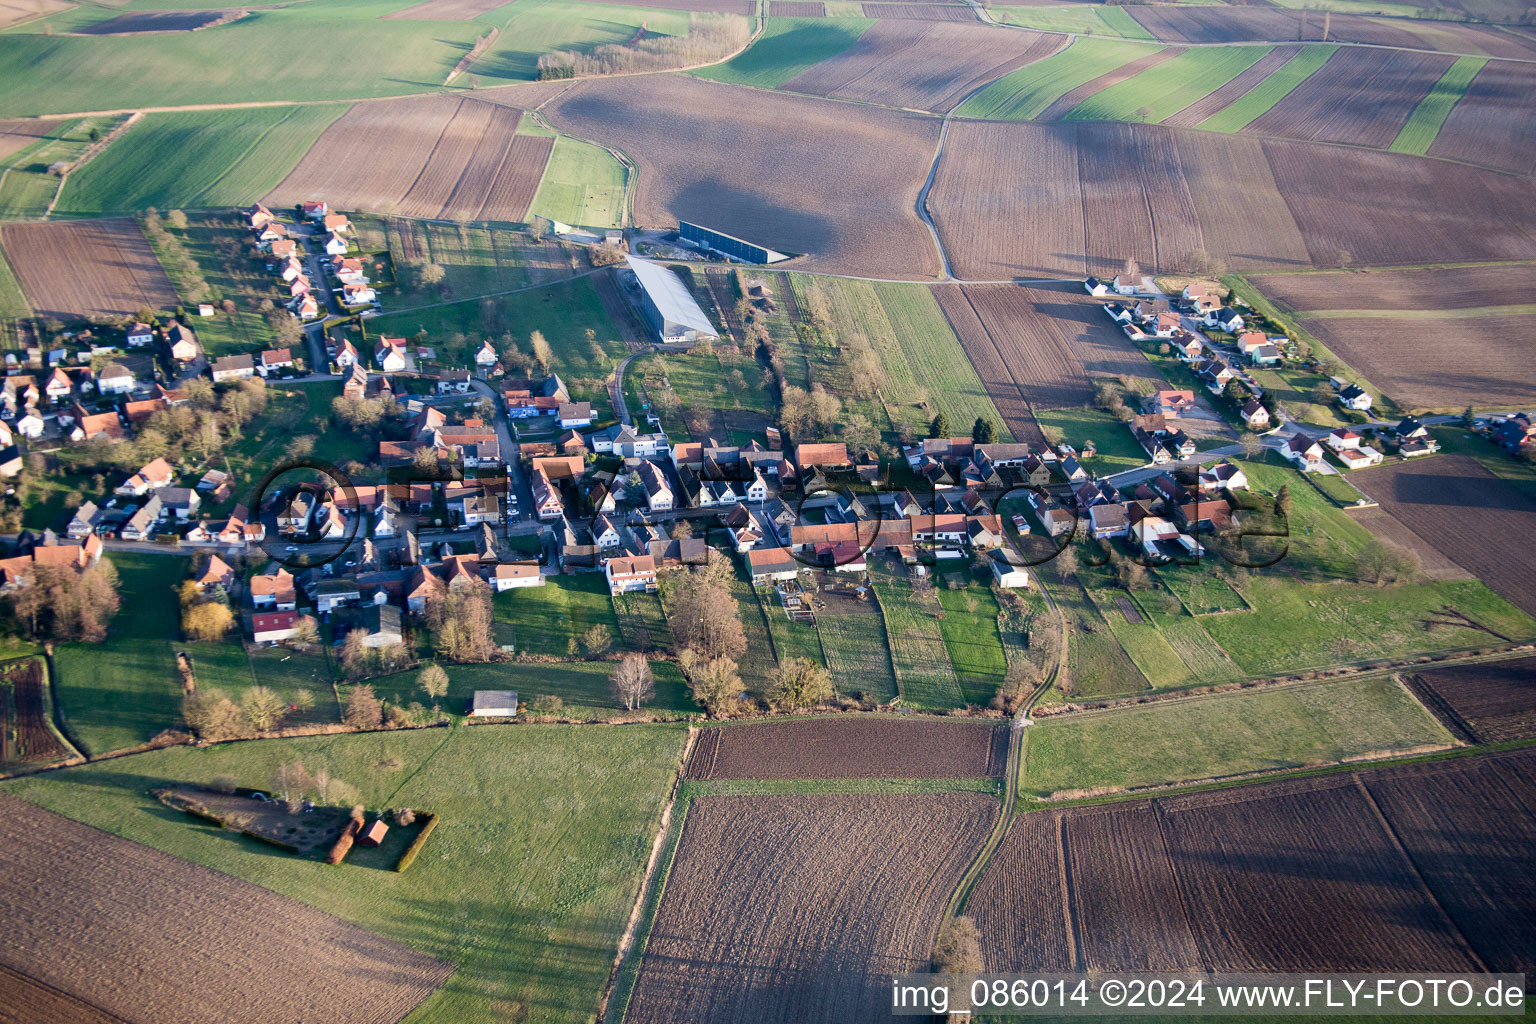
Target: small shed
{"type": "Point", "coordinates": [494, 704]}
{"type": "Point", "coordinates": [374, 834]}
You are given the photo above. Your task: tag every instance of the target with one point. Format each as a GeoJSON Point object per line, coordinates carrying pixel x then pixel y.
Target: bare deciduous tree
{"type": "Point", "coordinates": [632, 681]}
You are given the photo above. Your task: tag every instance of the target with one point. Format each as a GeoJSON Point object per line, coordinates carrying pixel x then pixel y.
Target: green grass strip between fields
{"type": "Point", "coordinates": [13, 302]}
{"type": "Point", "coordinates": [1418, 134]}
{"type": "Point", "coordinates": [1166, 88]}
{"type": "Point", "coordinates": [1026, 92]}
{"type": "Point", "coordinates": [1085, 20]}
{"type": "Point", "coordinates": [1248, 107]}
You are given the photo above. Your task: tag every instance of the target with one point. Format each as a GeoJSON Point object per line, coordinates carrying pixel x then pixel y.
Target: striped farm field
{"type": "Point", "coordinates": [924, 673]}
{"type": "Point", "coordinates": [787, 47]}
{"type": "Point", "coordinates": [858, 654]}
{"type": "Point", "coordinates": [1169, 86]}
{"type": "Point", "coordinates": [195, 159]}
{"type": "Point", "coordinates": [1427, 118]}
{"type": "Point", "coordinates": [1270, 91]}
{"type": "Point", "coordinates": [1031, 89]}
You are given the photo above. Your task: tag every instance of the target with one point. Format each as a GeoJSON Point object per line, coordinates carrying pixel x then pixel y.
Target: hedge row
{"type": "Point", "coordinates": [409, 856]}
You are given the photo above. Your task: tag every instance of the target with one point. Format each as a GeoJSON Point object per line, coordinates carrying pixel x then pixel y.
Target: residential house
{"type": "Point", "coordinates": [1411, 428]}
{"type": "Point", "coordinates": [1215, 374]}
{"type": "Point", "coordinates": [181, 501]}
{"type": "Point", "coordinates": [59, 385]}
{"type": "Point", "coordinates": [273, 359]}
{"type": "Point", "coordinates": [1109, 520]}
{"type": "Point", "coordinates": [1515, 434]}
{"type": "Point", "coordinates": [336, 223]}
{"type": "Point", "coordinates": [153, 474]}
{"type": "Point", "coordinates": [306, 307]}
{"type": "Point", "coordinates": [86, 518]}
{"type": "Point", "coordinates": [453, 381]}
{"type": "Point", "coordinates": [283, 248]}
{"type": "Point", "coordinates": [1173, 403]}
{"type": "Point", "coordinates": [259, 217]}
{"type": "Point", "coordinates": [115, 379]}
{"type": "Point", "coordinates": [274, 627]}
{"type": "Point", "coordinates": [658, 493]}
{"type": "Point", "coordinates": [392, 356]}
{"type": "Point", "coordinates": [350, 271]}
{"type": "Point", "coordinates": [1255, 415]}
{"type": "Point", "coordinates": [626, 575]}
{"type": "Point", "coordinates": [1342, 438]}
{"type": "Point", "coordinates": [574, 414]}
{"type": "Point", "coordinates": [294, 516]}
{"type": "Point", "coordinates": [547, 502]}
{"type": "Point", "coordinates": [1223, 475]}
{"type": "Point", "coordinates": [1093, 286]}
{"type": "Point", "coordinates": [217, 484]}
{"type": "Point", "coordinates": [624, 441]}
{"type": "Point", "coordinates": [1353, 396]}
{"type": "Point", "coordinates": [1127, 284]}
{"type": "Point", "coordinates": [315, 209]}
{"type": "Point", "coordinates": [1225, 319]}
{"type": "Point", "coordinates": [984, 532]}
{"type": "Point", "coordinates": [140, 336]}
{"type": "Point", "coordinates": [89, 426]}
{"type": "Point", "coordinates": [236, 367]}
{"type": "Point", "coordinates": [10, 461]}
{"type": "Point", "coordinates": [140, 411]}
{"type": "Point", "coordinates": [346, 354]}
{"type": "Point", "coordinates": [770, 565]}
{"type": "Point", "coordinates": [514, 575]}
{"type": "Point", "coordinates": [142, 523]}
{"type": "Point", "coordinates": [335, 245]}
{"type": "Point", "coordinates": [274, 590]}
{"type": "Point", "coordinates": [1305, 452]}
{"type": "Point", "coordinates": [217, 573]}
{"type": "Point", "coordinates": [1201, 296]}
{"type": "Point", "coordinates": [31, 425]}
{"type": "Point", "coordinates": [184, 344]}
{"type": "Point", "coordinates": [485, 356]}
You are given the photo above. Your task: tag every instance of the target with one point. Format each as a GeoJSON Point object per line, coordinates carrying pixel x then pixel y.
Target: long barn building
{"type": "Point", "coordinates": [668, 306]}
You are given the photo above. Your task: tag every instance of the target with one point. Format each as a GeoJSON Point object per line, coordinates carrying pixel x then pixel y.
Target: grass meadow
{"type": "Point", "coordinates": [1078, 19]}
{"type": "Point", "coordinates": [525, 885]}
{"type": "Point", "coordinates": [583, 184]}
{"type": "Point", "coordinates": [1225, 734]}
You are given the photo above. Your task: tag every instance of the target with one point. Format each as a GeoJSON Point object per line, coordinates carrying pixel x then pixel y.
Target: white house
{"type": "Point", "coordinates": [1353, 396]}
{"type": "Point", "coordinates": [356, 294]}
{"type": "Point", "coordinates": [335, 245]}
{"type": "Point", "coordinates": [140, 335]}
{"type": "Point", "coordinates": [1093, 286]}
{"type": "Point", "coordinates": [575, 414]}
{"type": "Point", "coordinates": [486, 357]}
{"type": "Point", "coordinates": [1126, 285]}
{"type": "Point", "coordinates": [514, 575]}
{"type": "Point", "coordinates": [30, 425]}
{"type": "Point", "coordinates": [115, 379]}
{"type": "Point", "coordinates": [1305, 452]}
{"type": "Point", "coordinates": [391, 356]}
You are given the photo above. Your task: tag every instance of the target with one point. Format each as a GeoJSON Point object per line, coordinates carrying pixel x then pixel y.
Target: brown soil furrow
{"type": "Point", "coordinates": [1209, 104]}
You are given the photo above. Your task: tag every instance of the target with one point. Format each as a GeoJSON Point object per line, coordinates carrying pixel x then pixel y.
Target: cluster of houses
{"type": "Point", "coordinates": [1409, 438]}
{"type": "Point", "coordinates": [285, 254]}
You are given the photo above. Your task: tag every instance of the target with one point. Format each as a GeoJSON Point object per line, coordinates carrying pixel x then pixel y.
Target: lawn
{"type": "Point", "coordinates": [1082, 20]}
{"type": "Point", "coordinates": [925, 676]}
{"type": "Point", "coordinates": [1097, 666]}
{"type": "Point", "coordinates": [1224, 735]}
{"type": "Point", "coordinates": [13, 302]}
{"type": "Point", "coordinates": [790, 639]}
{"type": "Point", "coordinates": [124, 690]}
{"type": "Point", "coordinates": [969, 629]}
{"type": "Point", "coordinates": [1117, 450]}
{"type": "Point", "coordinates": [787, 47]}
{"type": "Point", "coordinates": [1202, 591]}
{"type": "Point", "coordinates": [1142, 641]}
{"type": "Point", "coordinates": [206, 158]}
{"type": "Point", "coordinates": [1274, 88]}
{"type": "Point", "coordinates": [582, 185]}
{"type": "Point", "coordinates": [858, 655]}
{"type": "Point", "coordinates": [1166, 88]}
{"type": "Point", "coordinates": [1299, 626]}
{"type": "Point", "coordinates": [550, 620]}
{"type": "Point", "coordinates": [339, 50]}
{"type": "Point", "coordinates": [1418, 134]}
{"type": "Point", "coordinates": [1024, 93]}
{"type": "Point", "coordinates": [525, 885]}
{"type": "Point", "coordinates": [476, 260]}
{"type": "Point", "coordinates": [582, 685]}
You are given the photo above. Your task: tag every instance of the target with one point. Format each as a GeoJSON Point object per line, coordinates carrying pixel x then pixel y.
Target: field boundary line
{"type": "Point", "coordinates": [632, 943]}
{"type": "Point", "coordinates": [1424, 890]}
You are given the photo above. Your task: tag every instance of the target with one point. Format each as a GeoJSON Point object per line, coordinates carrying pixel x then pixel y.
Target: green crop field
{"type": "Point", "coordinates": [1116, 449]}
{"type": "Point", "coordinates": [121, 692]}
{"type": "Point", "coordinates": [969, 629]}
{"type": "Point", "coordinates": [1166, 88]}
{"type": "Point", "coordinates": [203, 158]}
{"type": "Point", "coordinates": [13, 302]}
{"type": "Point", "coordinates": [336, 51]}
{"type": "Point", "coordinates": [787, 47]}
{"type": "Point", "coordinates": [924, 362]}
{"type": "Point", "coordinates": [583, 185]}
{"type": "Point", "coordinates": [550, 620]}
{"type": "Point", "coordinates": [525, 885]}
{"type": "Point", "coordinates": [925, 675]}
{"type": "Point", "coordinates": [1274, 88]}
{"type": "Point", "coordinates": [1078, 19]}
{"type": "Point", "coordinates": [1225, 734]}
{"type": "Point", "coordinates": [1026, 92]}
{"type": "Point", "coordinates": [858, 655]}
{"type": "Point", "coordinates": [1418, 134]}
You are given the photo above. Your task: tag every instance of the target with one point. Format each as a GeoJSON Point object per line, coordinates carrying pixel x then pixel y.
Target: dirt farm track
{"type": "Point", "coordinates": [70, 893]}
{"type": "Point", "coordinates": [785, 909]}
{"type": "Point", "coordinates": [1415, 868]}
{"type": "Point", "coordinates": [864, 748]}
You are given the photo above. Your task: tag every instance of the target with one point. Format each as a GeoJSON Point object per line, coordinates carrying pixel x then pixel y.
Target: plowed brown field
{"type": "Point", "coordinates": [1439, 288]}
{"type": "Point", "coordinates": [921, 12]}
{"type": "Point", "coordinates": [836, 181]}
{"type": "Point", "coordinates": [1361, 96]}
{"type": "Point", "coordinates": [85, 268]}
{"type": "Point", "coordinates": [1486, 702]}
{"type": "Point", "coordinates": [1438, 363]}
{"type": "Point", "coordinates": [1176, 24]}
{"type": "Point", "coordinates": [857, 748]}
{"type": "Point", "coordinates": [1476, 519]}
{"type": "Point", "coordinates": [797, 9]}
{"type": "Point", "coordinates": [1489, 125]}
{"type": "Point", "coordinates": [19, 134]}
{"type": "Point", "coordinates": [924, 66]}
{"type": "Point", "coordinates": [432, 156]}
{"type": "Point", "coordinates": [69, 892]}
{"type": "Point", "coordinates": [1409, 868]}
{"type": "Point", "coordinates": [800, 908]}
{"type": "Point", "coordinates": [989, 364]}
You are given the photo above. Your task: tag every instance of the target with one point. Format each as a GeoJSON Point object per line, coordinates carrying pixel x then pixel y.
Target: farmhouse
{"type": "Point", "coordinates": [274, 590]}
{"type": "Point", "coordinates": [667, 304]}
{"type": "Point", "coordinates": [493, 704]}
